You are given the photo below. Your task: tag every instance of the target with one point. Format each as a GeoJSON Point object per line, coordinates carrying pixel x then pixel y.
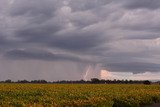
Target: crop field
{"type": "Point", "coordinates": [78, 95]}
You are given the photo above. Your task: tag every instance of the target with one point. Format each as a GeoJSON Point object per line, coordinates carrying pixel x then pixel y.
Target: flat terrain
{"type": "Point", "coordinates": [83, 95]}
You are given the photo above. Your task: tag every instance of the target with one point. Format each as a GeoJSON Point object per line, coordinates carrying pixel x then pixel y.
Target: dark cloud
{"type": "Point", "coordinates": [38, 33]}
{"type": "Point", "coordinates": [41, 55]}
{"type": "Point", "coordinates": [7, 43]}
{"type": "Point", "coordinates": [74, 41]}
{"type": "Point", "coordinates": [77, 41]}
{"type": "Point", "coordinates": [33, 8]}
{"type": "Point", "coordinates": [148, 4]}
{"type": "Point", "coordinates": [135, 67]}
{"type": "Point", "coordinates": [3, 41]}
{"type": "Point", "coordinates": [143, 37]}
{"type": "Point", "coordinates": [83, 5]}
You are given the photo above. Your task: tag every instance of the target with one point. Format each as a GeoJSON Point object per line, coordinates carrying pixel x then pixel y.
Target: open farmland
{"type": "Point", "coordinates": [75, 95]}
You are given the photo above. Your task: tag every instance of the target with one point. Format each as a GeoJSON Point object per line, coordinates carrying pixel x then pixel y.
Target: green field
{"type": "Point", "coordinates": [78, 95]}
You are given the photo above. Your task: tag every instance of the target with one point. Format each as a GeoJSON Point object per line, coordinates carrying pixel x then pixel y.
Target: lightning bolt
{"type": "Point", "coordinates": [86, 73]}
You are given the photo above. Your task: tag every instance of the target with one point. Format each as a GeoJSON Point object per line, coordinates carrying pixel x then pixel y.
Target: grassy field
{"type": "Point", "coordinates": [78, 95]}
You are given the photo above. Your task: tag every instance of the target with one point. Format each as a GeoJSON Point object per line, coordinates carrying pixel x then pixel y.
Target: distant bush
{"type": "Point", "coordinates": [8, 81]}
{"type": "Point", "coordinates": [147, 82]}
{"type": "Point", "coordinates": [95, 80]}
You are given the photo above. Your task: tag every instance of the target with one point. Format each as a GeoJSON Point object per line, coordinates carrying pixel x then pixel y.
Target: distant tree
{"type": "Point", "coordinates": [81, 81]}
{"type": "Point", "coordinates": [39, 81]}
{"type": "Point", "coordinates": [103, 81]}
{"type": "Point", "coordinates": [95, 80]}
{"type": "Point", "coordinates": [43, 81]}
{"type": "Point", "coordinates": [22, 81]}
{"type": "Point", "coordinates": [130, 82]}
{"type": "Point", "coordinates": [126, 81]}
{"type": "Point", "coordinates": [147, 82]}
{"type": "Point", "coordinates": [8, 81]}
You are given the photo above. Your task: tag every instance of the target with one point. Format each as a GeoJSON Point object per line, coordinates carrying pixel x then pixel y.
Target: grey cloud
{"type": "Point", "coordinates": [78, 41]}
{"type": "Point", "coordinates": [83, 5]}
{"type": "Point", "coordinates": [135, 67]}
{"type": "Point", "coordinates": [37, 33]}
{"type": "Point", "coordinates": [46, 34]}
{"type": "Point", "coordinates": [71, 41]}
{"type": "Point", "coordinates": [7, 43]}
{"type": "Point", "coordinates": [83, 19]}
{"type": "Point", "coordinates": [33, 8]}
{"type": "Point", "coordinates": [148, 4]}
{"type": "Point", "coordinates": [138, 26]}
{"type": "Point", "coordinates": [3, 41]}
{"type": "Point", "coordinates": [33, 12]}
{"type": "Point", "coordinates": [143, 37]}
{"type": "Point", "coordinates": [41, 55]}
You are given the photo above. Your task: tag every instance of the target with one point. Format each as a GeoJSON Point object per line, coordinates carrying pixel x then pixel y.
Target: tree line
{"type": "Point", "coordinates": [92, 81]}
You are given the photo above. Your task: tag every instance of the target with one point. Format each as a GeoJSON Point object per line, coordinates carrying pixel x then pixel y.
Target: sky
{"type": "Point", "coordinates": [79, 39]}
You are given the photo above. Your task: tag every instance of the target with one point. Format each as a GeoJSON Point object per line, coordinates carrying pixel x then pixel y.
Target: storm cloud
{"type": "Point", "coordinates": [135, 67]}
{"type": "Point", "coordinates": [119, 36]}
{"type": "Point", "coordinates": [148, 4]}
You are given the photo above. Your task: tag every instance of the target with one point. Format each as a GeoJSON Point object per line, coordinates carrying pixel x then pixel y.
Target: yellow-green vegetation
{"type": "Point", "coordinates": [78, 95]}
